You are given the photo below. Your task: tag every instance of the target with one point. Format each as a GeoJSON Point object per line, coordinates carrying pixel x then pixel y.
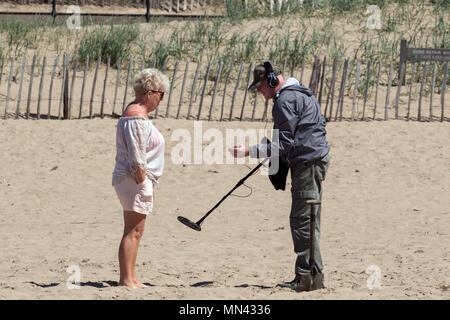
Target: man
{"type": "Point", "coordinates": [303, 148]}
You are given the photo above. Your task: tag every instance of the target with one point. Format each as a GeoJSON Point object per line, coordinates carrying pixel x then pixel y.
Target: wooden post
{"type": "Point", "coordinates": [164, 66]}
{"type": "Point", "coordinates": [216, 83]}
{"type": "Point", "coordinates": [130, 65]}
{"type": "Point", "coordinates": [147, 12]}
{"type": "Point", "coordinates": [63, 85]}
{"type": "Point", "coordinates": [399, 88]}
{"type": "Point", "coordinates": [41, 85]}
{"type": "Point", "coordinates": [367, 90]}
{"type": "Point", "coordinates": [105, 82]}
{"type": "Point", "coordinates": [444, 84]}
{"type": "Point", "coordinates": [376, 90]}
{"type": "Point", "coordinates": [403, 56]}
{"type": "Point", "coordinates": [55, 62]}
{"type": "Point", "coordinates": [171, 87]}
{"type": "Point", "coordinates": [432, 91]}
{"type": "Point", "coordinates": [94, 82]}
{"type": "Point", "coordinates": [182, 87]}
{"type": "Point", "coordinates": [203, 90]}
{"type": "Point", "coordinates": [301, 70]}
{"type": "Point", "coordinates": [246, 91]}
{"type": "Point", "coordinates": [266, 106]}
{"type": "Point", "coordinates": [117, 85]}
{"type": "Point", "coordinates": [388, 94]}
{"type": "Point", "coordinates": [235, 91]}
{"type": "Point", "coordinates": [343, 90]}
{"type": "Point", "coordinates": [30, 87]}
{"type": "Point", "coordinates": [422, 84]}
{"type": "Point", "coordinates": [413, 71]}
{"type": "Point", "coordinates": [317, 77]}
{"type": "Point", "coordinates": [1, 69]}
{"type": "Point", "coordinates": [340, 101]}
{"type": "Point", "coordinates": [293, 68]}
{"type": "Point", "coordinates": [66, 91]}
{"type": "Point", "coordinates": [11, 71]}
{"type": "Point", "coordinates": [331, 92]}
{"type": "Point", "coordinates": [254, 106]}
{"type": "Point", "coordinates": [225, 91]}
{"type": "Point", "coordinates": [86, 65]}
{"type": "Point", "coordinates": [324, 64]}
{"type": "Point", "coordinates": [19, 95]}
{"type": "Point", "coordinates": [193, 88]}
{"type": "Point", "coordinates": [312, 82]}
{"type": "Point", "coordinates": [355, 89]}
{"type": "Point", "coordinates": [72, 84]}
{"type": "Point", "coordinates": [54, 10]}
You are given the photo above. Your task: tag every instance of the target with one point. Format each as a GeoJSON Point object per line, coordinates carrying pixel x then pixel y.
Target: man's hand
{"type": "Point", "coordinates": [239, 151]}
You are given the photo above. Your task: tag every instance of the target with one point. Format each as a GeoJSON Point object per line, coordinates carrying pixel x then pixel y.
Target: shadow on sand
{"type": "Point", "coordinates": [245, 285]}
{"type": "Point", "coordinates": [108, 283]}
{"type": "Point", "coordinates": [94, 284]}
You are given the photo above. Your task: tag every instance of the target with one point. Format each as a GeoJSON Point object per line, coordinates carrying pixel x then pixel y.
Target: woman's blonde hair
{"type": "Point", "coordinates": [150, 79]}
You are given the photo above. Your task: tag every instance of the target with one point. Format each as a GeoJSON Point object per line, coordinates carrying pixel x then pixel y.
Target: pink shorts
{"type": "Point", "coordinates": [135, 197]}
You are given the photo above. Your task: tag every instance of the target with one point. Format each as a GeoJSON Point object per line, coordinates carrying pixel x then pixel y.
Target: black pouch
{"type": "Point", "coordinates": [278, 179]}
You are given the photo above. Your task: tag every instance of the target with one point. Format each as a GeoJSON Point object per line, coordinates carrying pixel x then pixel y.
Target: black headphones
{"type": "Point", "coordinates": [272, 78]}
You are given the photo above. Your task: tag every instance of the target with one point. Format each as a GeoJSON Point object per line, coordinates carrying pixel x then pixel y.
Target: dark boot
{"type": "Point", "coordinates": [299, 284]}
{"type": "Point", "coordinates": [317, 282]}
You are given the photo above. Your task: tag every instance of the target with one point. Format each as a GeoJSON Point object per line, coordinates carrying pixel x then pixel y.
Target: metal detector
{"type": "Point", "coordinates": [197, 225]}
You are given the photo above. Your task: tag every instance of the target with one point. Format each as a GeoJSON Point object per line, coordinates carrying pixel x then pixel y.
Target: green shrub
{"type": "Point", "coordinates": [19, 35]}
{"type": "Point", "coordinates": [114, 42]}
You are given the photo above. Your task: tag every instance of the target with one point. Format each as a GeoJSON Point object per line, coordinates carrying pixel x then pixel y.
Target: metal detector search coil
{"type": "Point", "coordinates": [189, 223]}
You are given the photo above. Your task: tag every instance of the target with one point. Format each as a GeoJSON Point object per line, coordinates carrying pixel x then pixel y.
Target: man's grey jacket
{"type": "Point", "coordinates": [301, 126]}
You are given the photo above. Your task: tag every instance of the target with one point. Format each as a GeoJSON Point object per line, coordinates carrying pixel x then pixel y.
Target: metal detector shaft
{"type": "Point", "coordinates": [231, 191]}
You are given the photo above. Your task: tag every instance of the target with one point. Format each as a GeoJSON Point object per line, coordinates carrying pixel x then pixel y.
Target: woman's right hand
{"type": "Point", "coordinates": [145, 184]}
{"type": "Point", "coordinates": [139, 174]}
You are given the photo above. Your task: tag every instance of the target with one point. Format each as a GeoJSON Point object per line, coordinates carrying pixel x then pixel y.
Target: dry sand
{"type": "Point", "coordinates": [386, 203]}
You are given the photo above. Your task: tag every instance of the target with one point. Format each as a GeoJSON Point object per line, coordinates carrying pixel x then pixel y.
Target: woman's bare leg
{"type": "Point", "coordinates": [133, 230]}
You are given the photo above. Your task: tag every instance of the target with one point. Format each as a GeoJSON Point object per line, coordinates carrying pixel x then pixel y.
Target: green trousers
{"type": "Point", "coordinates": [306, 184]}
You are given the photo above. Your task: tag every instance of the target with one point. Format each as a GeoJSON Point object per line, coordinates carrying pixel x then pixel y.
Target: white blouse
{"type": "Point", "coordinates": [138, 142]}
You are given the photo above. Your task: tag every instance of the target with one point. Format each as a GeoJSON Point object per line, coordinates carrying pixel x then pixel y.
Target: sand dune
{"type": "Point", "coordinates": [386, 203]}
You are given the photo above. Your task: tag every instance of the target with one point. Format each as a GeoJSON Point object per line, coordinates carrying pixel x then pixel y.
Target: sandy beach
{"type": "Point", "coordinates": [386, 203]}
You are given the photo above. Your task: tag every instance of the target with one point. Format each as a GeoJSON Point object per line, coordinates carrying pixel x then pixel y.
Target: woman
{"type": "Point", "coordinates": [139, 165]}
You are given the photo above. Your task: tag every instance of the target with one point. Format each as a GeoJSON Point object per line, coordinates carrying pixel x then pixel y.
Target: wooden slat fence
{"type": "Point", "coordinates": [62, 87]}
{"type": "Point", "coordinates": [172, 6]}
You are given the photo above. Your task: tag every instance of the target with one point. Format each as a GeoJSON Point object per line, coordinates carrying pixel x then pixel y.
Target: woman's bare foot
{"type": "Point", "coordinates": [128, 283]}
{"type": "Point", "coordinates": [139, 284]}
